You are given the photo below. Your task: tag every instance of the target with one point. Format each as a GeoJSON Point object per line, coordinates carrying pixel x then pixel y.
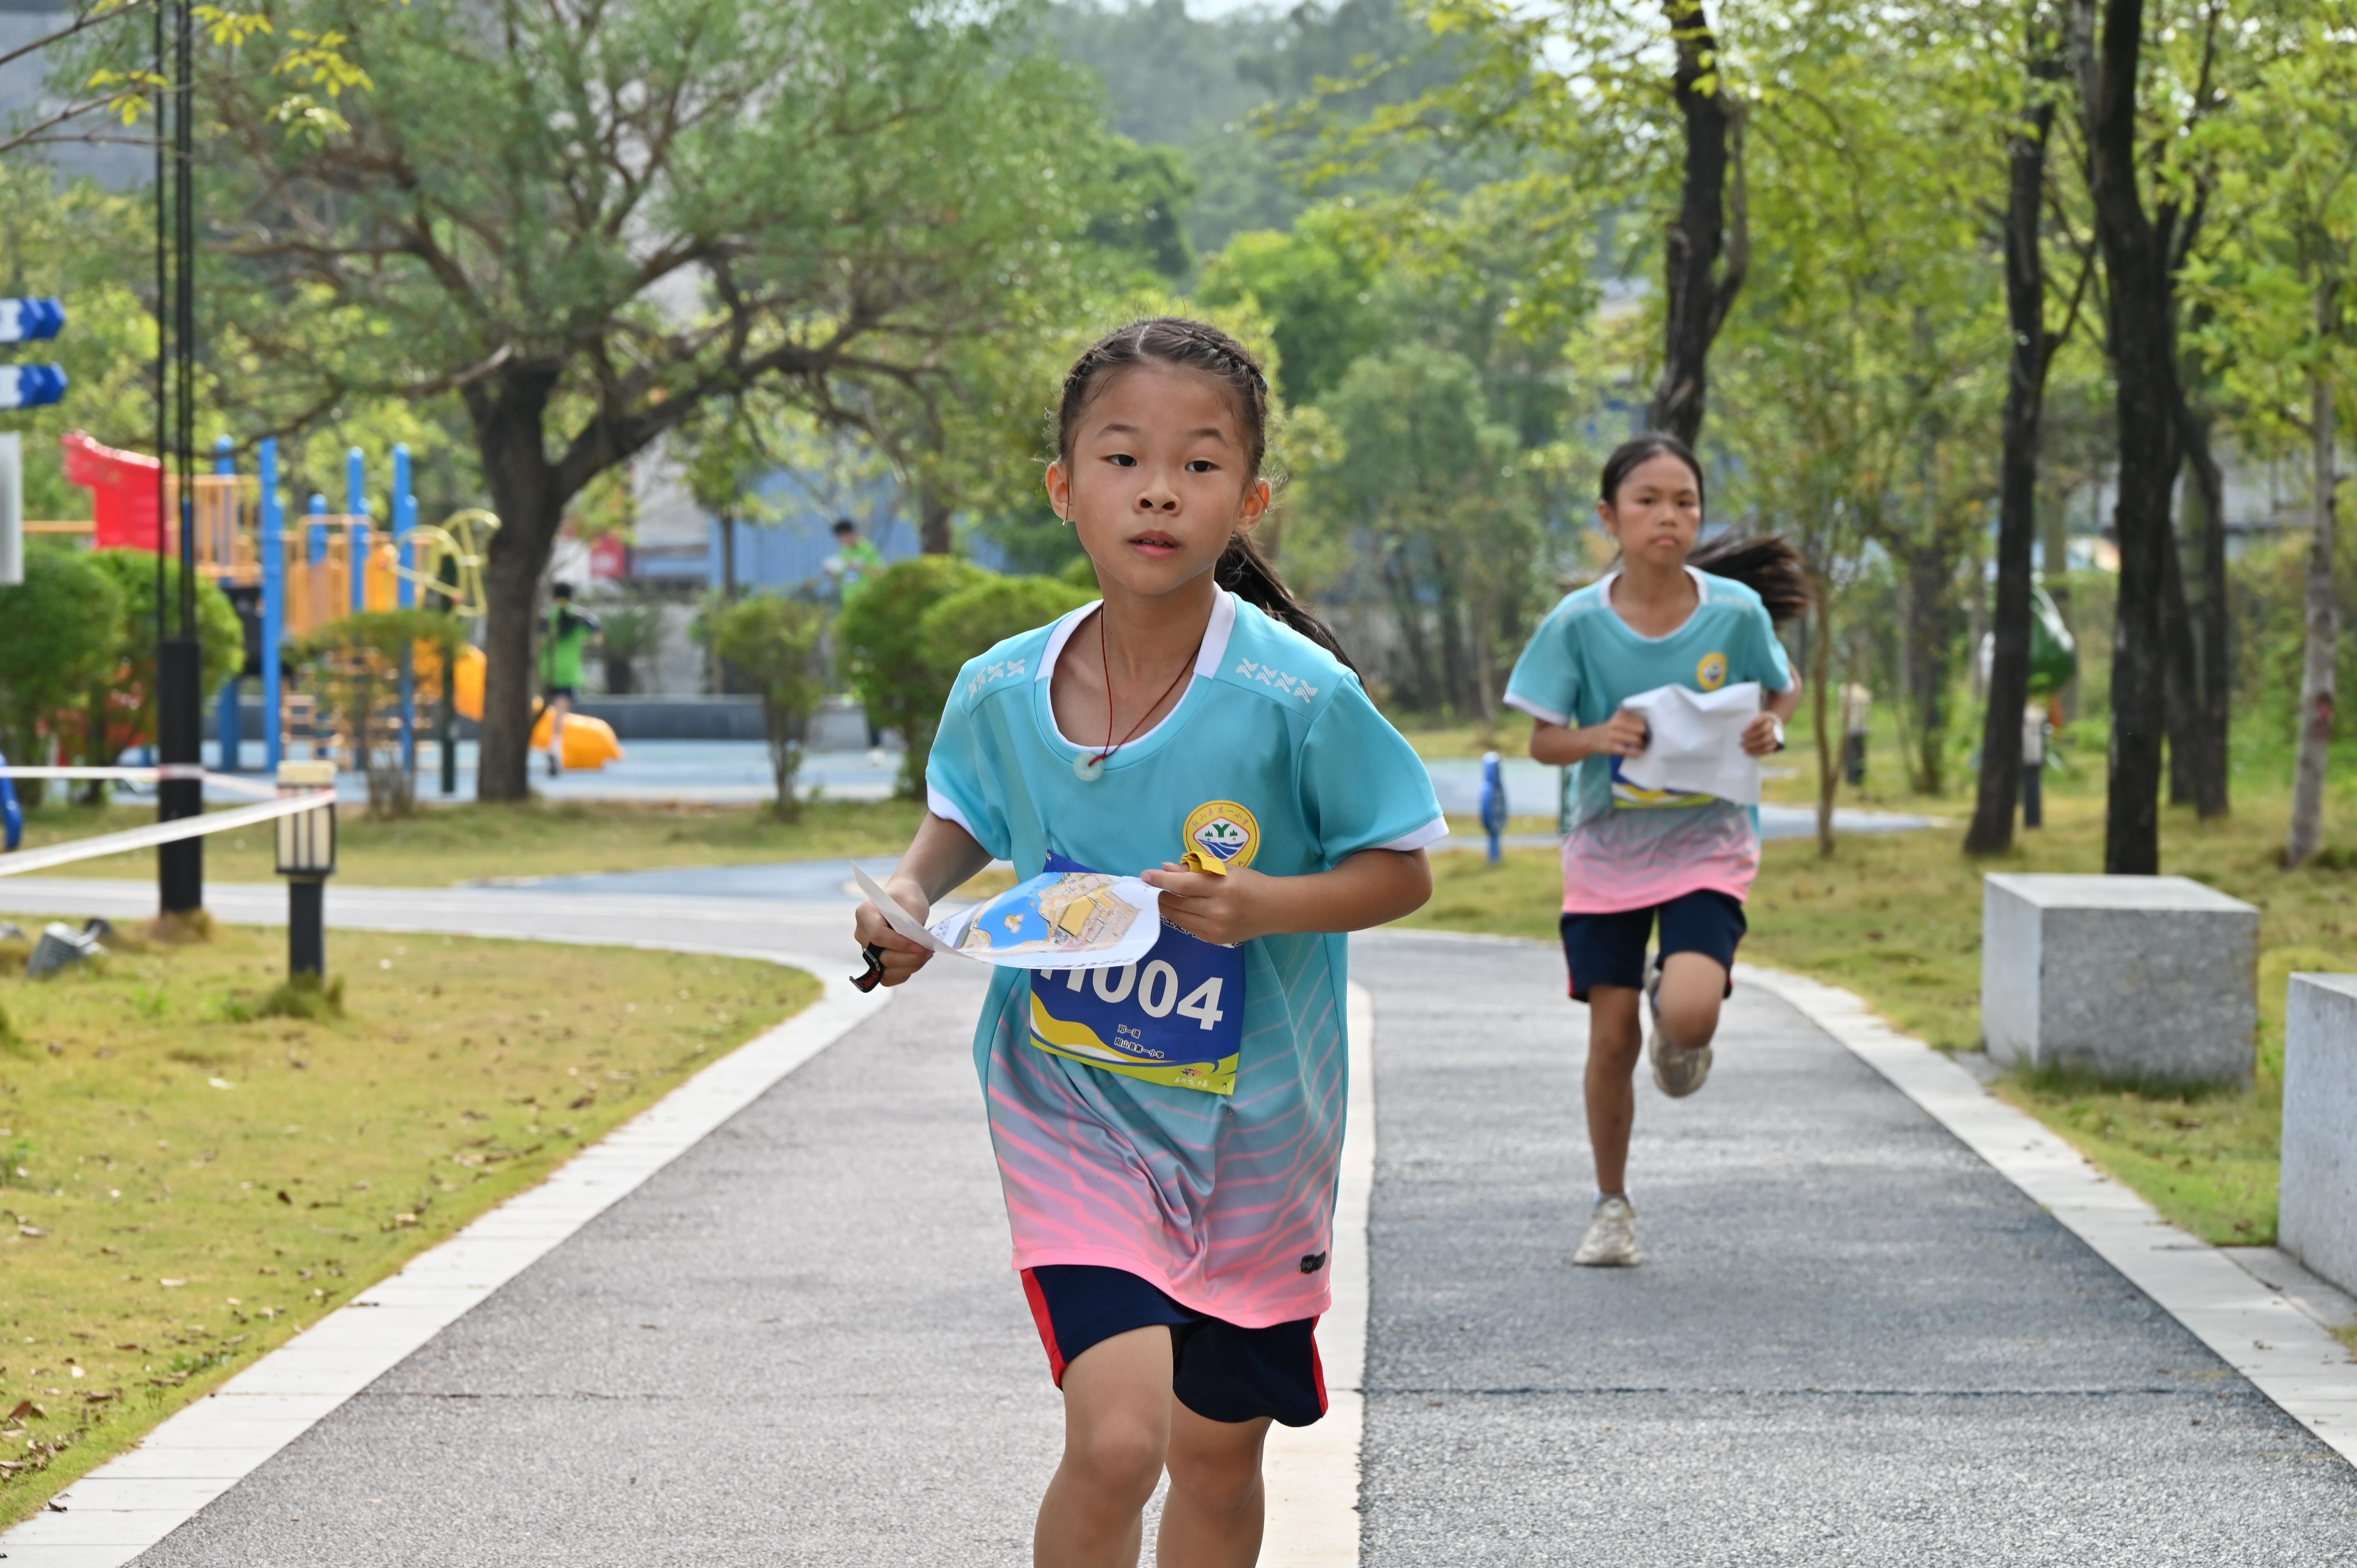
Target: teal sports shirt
{"type": "Point", "coordinates": [1275, 758]}
{"type": "Point", "coordinates": [1582, 663]}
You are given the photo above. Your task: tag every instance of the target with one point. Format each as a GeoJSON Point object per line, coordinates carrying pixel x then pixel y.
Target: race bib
{"type": "Point", "coordinates": [1175, 1016]}
{"type": "Point", "coordinates": [1637, 797]}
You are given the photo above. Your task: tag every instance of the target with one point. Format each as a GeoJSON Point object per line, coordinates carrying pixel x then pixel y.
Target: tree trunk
{"type": "Point", "coordinates": [2144, 357]}
{"type": "Point", "coordinates": [1931, 650]}
{"type": "Point", "coordinates": [934, 512]}
{"type": "Point", "coordinates": [727, 558]}
{"type": "Point", "coordinates": [2025, 396]}
{"type": "Point", "coordinates": [1697, 296]}
{"type": "Point", "coordinates": [1820, 679]}
{"type": "Point", "coordinates": [2180, 687]}
{"type": "Point", "coordinates": [507, 409]}
{"type": "Point", "coordinates": [2207, 623]}
{"type": "Point", "coordinates": [1402, 583]}
{"type": "Point", "coordinates": [2320, 680]}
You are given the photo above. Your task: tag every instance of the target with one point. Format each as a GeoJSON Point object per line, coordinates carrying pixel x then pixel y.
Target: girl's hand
{"type": "Point", "coordinates": [901, 957]}
{"type": "Point", "coordinates": [1761, 736]}
{"type": "Point", "coordinates": [1623, 735]}
{"type": "Point", "coordinates": [1224, 909]}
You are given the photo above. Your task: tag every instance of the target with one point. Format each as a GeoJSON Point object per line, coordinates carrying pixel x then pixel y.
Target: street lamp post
{"type": "Point", "coordinates": [306, 858]}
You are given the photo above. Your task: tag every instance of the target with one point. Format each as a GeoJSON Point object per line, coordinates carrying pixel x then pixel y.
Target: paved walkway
{"type": "Point", "coordinates": [1851, 1343]}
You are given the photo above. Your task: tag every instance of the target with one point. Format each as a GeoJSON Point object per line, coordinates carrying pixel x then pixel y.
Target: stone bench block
{"type": "Point", "coordinates": [2132, 978]}
{"type": "Point", "coordinates": [2317, 1219]}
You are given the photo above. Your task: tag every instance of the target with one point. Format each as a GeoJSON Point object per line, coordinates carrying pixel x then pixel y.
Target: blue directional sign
{"type": "Point", "coordinates": [30, 386]}
{"type": "Point", "coordinates": [23, 320]}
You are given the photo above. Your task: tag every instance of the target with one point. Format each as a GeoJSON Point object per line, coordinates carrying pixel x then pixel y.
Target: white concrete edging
{"type": "Point", "coordinates": [2292, 1359]}
{"type": "Point", "coordinates": [133, 1502]}
{"type": "Point", "coordinates": [1311, 1473]}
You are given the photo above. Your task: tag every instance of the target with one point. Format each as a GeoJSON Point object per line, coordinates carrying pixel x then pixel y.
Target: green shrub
{"type": "Point", "coordinates": [973, 619]}
{"type": "Point", "coordinates": [120, 708]}
{"type": "Point", "coordinates": [59, 643]}
{"type": "Point", "coordinates": [774, 643]}
{"type": "Point", "coordinates": [878, 635]}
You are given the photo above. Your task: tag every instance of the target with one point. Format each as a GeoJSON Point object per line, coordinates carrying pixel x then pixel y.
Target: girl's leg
{"type": "Point", "coordinates": [1693, 986]}
{"type": "Point", "coordinates": [1116, 1432]}
{"type": "Point", "coordinates": [1615, 1039]}
{"type": "Point", "coordinates": [1213, 1516]}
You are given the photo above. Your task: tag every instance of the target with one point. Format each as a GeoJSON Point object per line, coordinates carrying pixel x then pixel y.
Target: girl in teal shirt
{"type": "Point", "coordinates": [1168, 1148]}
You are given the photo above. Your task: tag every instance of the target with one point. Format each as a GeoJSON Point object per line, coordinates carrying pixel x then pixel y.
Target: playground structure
{"type": "Point", "coordinates": [293, 582]}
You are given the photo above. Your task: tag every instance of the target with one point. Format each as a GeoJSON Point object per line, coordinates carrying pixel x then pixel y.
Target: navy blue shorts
{"type": "Point", "coordinates": [1219, 1371]}
{"type": "Point", "coordinates": [1610, 949]}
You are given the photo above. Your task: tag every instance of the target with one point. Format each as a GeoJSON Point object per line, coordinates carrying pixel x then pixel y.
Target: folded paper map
{"type": "Point", "coordinates": [1073, 919]}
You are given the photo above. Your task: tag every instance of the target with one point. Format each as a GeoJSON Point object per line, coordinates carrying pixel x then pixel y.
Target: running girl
{"type": "Point", "coordinates": [1172, 1213]}
{"type": "Point", "coordinates": [1636, 857]}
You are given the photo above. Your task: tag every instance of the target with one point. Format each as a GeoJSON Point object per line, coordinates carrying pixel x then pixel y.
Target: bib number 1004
{"type": "Point", "coordinates": [1157, 986]}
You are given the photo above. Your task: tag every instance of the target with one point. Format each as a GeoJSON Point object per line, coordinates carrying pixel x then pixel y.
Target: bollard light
{"type": "Point", "coordinates": [306, 858]}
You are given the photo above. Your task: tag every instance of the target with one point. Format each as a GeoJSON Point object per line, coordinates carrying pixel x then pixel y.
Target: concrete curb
{"type": "Point", "coordinates": [2291, 1359]}
{"type": "Point", "coordinates": [1311, 1473]}
{"type": "Point", "coordinates": [133, 1502]}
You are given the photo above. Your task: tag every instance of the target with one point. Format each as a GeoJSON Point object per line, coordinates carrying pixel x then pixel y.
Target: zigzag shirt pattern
{"type": "Point", "coordinates": [1217, 1199]}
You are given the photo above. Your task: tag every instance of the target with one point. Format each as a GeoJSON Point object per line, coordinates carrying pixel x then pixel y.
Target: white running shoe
{"type": "Point", "coordinates": [1677, 1071]}
{"type": "Point", "coordinates": [1612, 1241]}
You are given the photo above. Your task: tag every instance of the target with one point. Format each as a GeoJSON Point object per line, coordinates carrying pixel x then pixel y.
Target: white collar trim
{"type": "Point", "coordinates": [1222, 626]}
{"type": "Point", "coordinates": [1216, 634]}
{"type": "Point", "coordinates": [1702, 598]}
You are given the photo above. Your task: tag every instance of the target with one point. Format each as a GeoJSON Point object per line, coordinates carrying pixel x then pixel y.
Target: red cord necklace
{"type": "Point", "coordinates": [1089, 769]}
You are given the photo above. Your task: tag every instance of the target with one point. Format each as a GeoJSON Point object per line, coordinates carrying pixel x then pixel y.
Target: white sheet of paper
{"type": "Point", "coordinates": [1697, 742]}
{"type": "Point", "coordinates": [900, 919]}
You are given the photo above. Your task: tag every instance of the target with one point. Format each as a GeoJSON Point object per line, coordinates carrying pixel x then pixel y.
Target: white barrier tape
{"type": "Point", "coordinates": [236, 784]}
{"type": "Point", "coordinates": [30, 860]}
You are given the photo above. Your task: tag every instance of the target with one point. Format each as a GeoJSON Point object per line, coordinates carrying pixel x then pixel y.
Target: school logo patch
{"type": "Point", "coordinates": [1225, 830]}
{"type": "Point", "coordinates": [1711, 673]}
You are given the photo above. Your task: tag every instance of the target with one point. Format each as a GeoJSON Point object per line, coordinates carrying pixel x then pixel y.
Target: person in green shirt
{"type": "Point", "coordinates": [570, 632]}
{"type": "Point", "coordinates": [855, 559]}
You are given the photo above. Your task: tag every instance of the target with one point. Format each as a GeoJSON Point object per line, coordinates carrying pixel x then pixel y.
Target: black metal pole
{"type": "Point", "coordinates": [179, 659]}
{"type": "Point", "coordinates": [306, 931]}
{"type": "Point", "coordinates": [447, 723]}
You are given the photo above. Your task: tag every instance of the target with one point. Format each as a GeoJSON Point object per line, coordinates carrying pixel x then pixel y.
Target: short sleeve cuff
{"type": "Point", "coordinates": [941, 806]}
{"type": "Point", "coordinates": [1537, 711]}
{"type": "Point", "coordinates": [1431, 832]}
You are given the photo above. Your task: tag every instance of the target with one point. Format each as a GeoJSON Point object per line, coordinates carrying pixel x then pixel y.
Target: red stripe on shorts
{"type": "Point", "coordinates": [1318, 1364]}
{"type": "Point", "coordinates": [1047, 1327]}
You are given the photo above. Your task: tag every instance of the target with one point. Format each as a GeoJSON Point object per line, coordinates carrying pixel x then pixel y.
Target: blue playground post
{"type": "Point", "coordinates": [403, 520]}
{"type": "Point", "coordinates": [356, 508]}
{"type": "Point", "coordinates": [229, 724]}
{"type": "Point", "coordinates": [315, 545]}
{"type": "Point", "coordinates": [1493, 800]}
{"type": "Point", "coordinates": [273, 602]}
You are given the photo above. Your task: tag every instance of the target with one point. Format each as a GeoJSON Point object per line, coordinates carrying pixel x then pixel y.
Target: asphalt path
{"type": "Point", "coordinates": [1851, 1340]}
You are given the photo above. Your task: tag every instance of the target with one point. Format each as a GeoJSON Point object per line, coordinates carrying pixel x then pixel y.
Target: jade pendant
{"type": "Point", "coordinates": [1088, 769]}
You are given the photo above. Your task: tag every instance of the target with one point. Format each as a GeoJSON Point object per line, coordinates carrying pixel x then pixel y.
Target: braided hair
{"type": "Point", "coordinates": [1242, 569]}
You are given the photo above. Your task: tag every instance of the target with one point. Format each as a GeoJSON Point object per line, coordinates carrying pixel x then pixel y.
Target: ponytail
{"type": "Point", "coordinates": [1244, 572]}
{"type": "Point", "coordinates": [1766, 564]}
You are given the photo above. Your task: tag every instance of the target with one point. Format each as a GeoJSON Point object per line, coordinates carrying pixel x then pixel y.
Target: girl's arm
{"type": "Point", "coordinates": [1622, 735]}
{"type": "Point", "coordinates": [1759, 736]}
{"type": "Point", "coordinates": [941, 858]}
{"type": "Point", "coordinates": [1366, 889]}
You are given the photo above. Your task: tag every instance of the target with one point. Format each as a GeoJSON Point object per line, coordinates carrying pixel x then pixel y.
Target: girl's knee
{"type": "Point", "coordinates": [1218, 1470]}
{"type": "Point", "coordinates": [1118, 1461]}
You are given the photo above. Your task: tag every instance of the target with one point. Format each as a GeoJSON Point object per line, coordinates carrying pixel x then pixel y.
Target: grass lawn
{"type": "Point", "coordinates": [183, 1190]}
{"type": "Point", "coordinates": [446, 844]}
{"type": "Point", "coordinates": [1896, 917]}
